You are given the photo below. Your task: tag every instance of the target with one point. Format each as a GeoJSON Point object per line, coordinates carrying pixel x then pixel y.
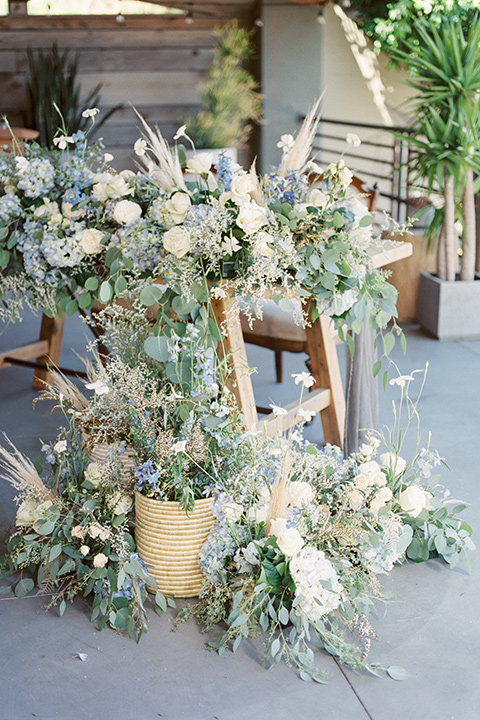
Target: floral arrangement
{"type": "Point", "coordinates": [72, 527]}
{"type": "Point", "coordinates": [298, 228]}
{"type": "Point", "coordinates": [300, 536]}
{"type": "Point", "coordinates": [75, 231]}
{"type": "Point", "coordinates": [60, 210]}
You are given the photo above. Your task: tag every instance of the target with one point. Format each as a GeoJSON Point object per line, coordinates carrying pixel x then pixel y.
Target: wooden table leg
{"type": "Point", "coordinates": [326, 370]}
{"type": "Point", "coordinates": [51, 330]}
{"type": "Point", "coordinates": [232, 350]}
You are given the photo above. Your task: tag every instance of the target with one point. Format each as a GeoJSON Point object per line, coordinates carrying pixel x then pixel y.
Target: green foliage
{"type": "Point", "coordinates": [230, 100]}
{"type": "Point", "coordinates": [392, 25]}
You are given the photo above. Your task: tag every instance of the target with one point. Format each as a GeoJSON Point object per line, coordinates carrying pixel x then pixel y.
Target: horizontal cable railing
{"type": "Point", "coordinates": [381, 158]}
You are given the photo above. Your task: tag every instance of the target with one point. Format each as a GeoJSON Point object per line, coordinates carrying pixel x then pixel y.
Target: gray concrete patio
{"type": "Point", "coordinates": [432, 629]}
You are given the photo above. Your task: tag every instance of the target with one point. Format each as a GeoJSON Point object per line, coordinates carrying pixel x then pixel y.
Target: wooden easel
{"type": "Point", "coordinates": [46, 350]}
{"type": "Point", "coordinates": [327, 397]}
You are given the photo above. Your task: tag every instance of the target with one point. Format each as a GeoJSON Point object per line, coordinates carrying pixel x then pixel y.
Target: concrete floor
{"type": "Point", "coordinates": [432, 629]}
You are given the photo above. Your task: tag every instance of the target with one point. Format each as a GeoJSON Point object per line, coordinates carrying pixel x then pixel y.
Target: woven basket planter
{"type": "Point", "coordinates": [170, 542]}
{"type": "Point", "coordinates": [100, 454]}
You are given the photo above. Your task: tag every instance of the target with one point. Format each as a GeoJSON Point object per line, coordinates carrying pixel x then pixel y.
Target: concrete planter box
{"type": "Point", "coordinates": [449, 310]}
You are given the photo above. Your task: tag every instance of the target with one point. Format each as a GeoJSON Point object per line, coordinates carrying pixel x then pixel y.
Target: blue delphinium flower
{"type": "Point", "coordinates": [146, 474]}
{"type": "Point", "coordinates": [224, 171]}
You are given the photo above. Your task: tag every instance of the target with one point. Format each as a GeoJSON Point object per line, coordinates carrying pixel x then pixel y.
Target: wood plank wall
{"type": "Point", "coordinates": [152, 62]}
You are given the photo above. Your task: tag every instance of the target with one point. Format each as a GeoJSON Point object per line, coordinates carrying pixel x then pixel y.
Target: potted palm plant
{"type": "Point", "coordinates": [445, 147]}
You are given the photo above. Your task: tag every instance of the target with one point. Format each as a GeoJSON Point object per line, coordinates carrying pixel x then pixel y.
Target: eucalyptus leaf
{"type": "Point", "coordinates": [399, 673]}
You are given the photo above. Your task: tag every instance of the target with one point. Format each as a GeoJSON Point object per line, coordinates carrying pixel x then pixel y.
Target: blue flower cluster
{"type": "Point", "coordinates": [146, 474]}
{"type": "Point", "coordinates": [292, 188]}
{"type": "Point", "coordinates": [224, 171]}
{"type": "Point", "coordinates": [38, 178]}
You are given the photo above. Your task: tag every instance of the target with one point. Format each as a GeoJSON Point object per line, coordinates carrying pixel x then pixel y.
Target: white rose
{"type": "Point", "coordinates": [299, 493]}
{"type": "Point", "coordinates": [90, 241]}
{"type": "Point", "coordinates": [176, 241]}
{"type": "Point", "coordinates": [413, 500]}
{"type": "Point", "coordinates": [251, 217]}
{"type": "Point", "coordinates": [393, 462]}
{"type": "Point", "coordinates": [261, 246]}
{"type": "Point", "coordinates": [100, 560]}
{"type": "Point", "coordinates": [107, 186]}
{"type": "Point", "coordinates": [201, 163]}
{"type": "Point", "coordinates": [317, 198]}
{"type": "Point", "coordinates": [84, 550]}
{"type": "Point", "coordinates": [126, 212]}
{"type": "Point", "coordinates": [233, 511]}
{"type": "Point", "coordinates": [25, 513]}
{"type": "Point", "coordinates": [93, 473]}
{"type": "Point", "coordinates": [240, 188]}
{"type": "Point", "coordinates": [120, 503]}
{"type": "Point", "coordinates": [290, 542]}
{"type": "Point", "coordinates": [370, 469]}
{"type": "Point", "coordinates": [178, 206]}
{"type": "Point", "coordinates": [69, 213]}
{"type": "Point", "coordinates": [30, 511]}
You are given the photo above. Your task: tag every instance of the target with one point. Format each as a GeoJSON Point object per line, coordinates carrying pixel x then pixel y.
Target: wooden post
{"type": "Point", "coordinates": [51, 330]}
{"type": "Point", "coordinates": [232, 350]}
{"type": "Point", "coordinates": [322, 350]}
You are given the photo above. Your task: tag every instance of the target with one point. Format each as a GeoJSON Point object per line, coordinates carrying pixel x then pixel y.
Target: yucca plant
{"type": "Point", "coordinates": [55, 94]}
{"type": "Point", "coordinates": [445, 135]}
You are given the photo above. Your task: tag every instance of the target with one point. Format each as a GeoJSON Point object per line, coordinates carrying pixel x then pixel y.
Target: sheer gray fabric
{"type": "Point", "coordinates": [361, 392]}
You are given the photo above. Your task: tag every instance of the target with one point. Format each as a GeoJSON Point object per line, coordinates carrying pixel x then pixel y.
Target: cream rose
{"type": "Point", "coordinates": [93, 473]}
{"type": "Point", "coordinates": [79, 532]}
{"type": "Point", "coordinates": [317, 198]}
{"type": "Point", "coordinates": [176, 241]}
{"type": "Point", "coordinates": [393, 462]}
{"type": "Point", "coordinates": [356, 499]}
{"type": "Point", "coordinates": [69, 213]}
{"type": "Point", "coordinates": [120, 503]}
{"type": "Point", "coordinates": [290, 542]}
{"type": "Point", "coordinates": [240, 188]}
{"type": "Point", "coordinates": [178, 206]}
{"type": "Point", "coordinates": [200, 164]}
{"type": "Point", "coordinates": [84, 550]}
{"type": "Point", "coordinates": [30, 511]}
{"type": "Point", "coordinates": [370, 470]}
{"type": "Point", "coordinates": [251, 217]}
{"type": "Point", "coordinates": [90, 241]}
{"type": "Point", "coordinates": [126, 212]}
{"type": "Point", "coordinates": [299, 493]}
{"type": "Point", "coordinates": [413, 500]}
{"type": "Point", "coordinates": [96, 530]}
{"type": "Point", "coordinates": [361, 482]}
{"type": "Point", "coordinates": [100, 560]}
{"type": "Point", "coordinates": [261, 246]}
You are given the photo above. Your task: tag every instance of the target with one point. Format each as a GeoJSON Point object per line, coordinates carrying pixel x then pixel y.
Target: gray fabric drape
{"type": "Point", "coordinates": [361, 392]}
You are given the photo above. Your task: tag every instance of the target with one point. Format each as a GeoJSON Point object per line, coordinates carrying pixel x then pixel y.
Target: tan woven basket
{"type": "Point", "coordinates": [170, 542]}
{"type": "Point", "coordinates": [100, 454]}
